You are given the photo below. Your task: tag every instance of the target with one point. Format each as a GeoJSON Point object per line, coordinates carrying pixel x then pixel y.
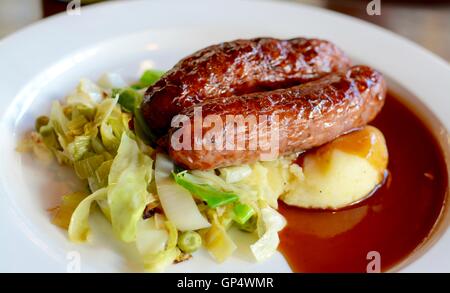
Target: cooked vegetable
{"type": "Point", "coordinates": [102, 173]}
{"type": "Point", "coordinates": [141, 127]}
{"type": "Point", "coordinates": [79, 147]}
{"type": "Point", "coordinates": [217, 241]}
{"type": "Point", "coordinates": [79, 222]}
{"type": "Point", "coordinates": [59, 123]}
{"type": "Point", "coordinates": [49, 137]}
{"type": "Point", "coordinates": [64, 211]}
{"type": "Point", "coordinates": [105, 109]}
{"type": "Point", "coordinates": [148, 78]}
{"type": "Point", "coordinates": [86, 168]}
{"type": "Point", "coordinates": [41, 121]}
{"type": "Point", "coordinates": [129, 98]}
{"type": "Point", "coordinates": [157, 244]}
{"type": "Point", "coordinates": [130, 101]}
{"type": "Point", "coordinates": [150, 239]}
{"type": "Point", "coordinates": [110, 141]}
{"type": "Point", "coordinates": [159, 262]}
{"type": "Point", "coordinates": [236, 173]}
{"type": "Point", "coordinates": [242, 213]}
{"type": "Point", "coordinates": [129, 176]}
{"type": "Point", "coordinates": [249, 226]}
{"type": "Point", "coordinates": [269, 179]}
{"type": "Point", "coordinates": [87, 93]}
{"type": "Point", "coordinates": [207, 193]}
{"type": "Point", "coordinates": [189, 241]}
{"type": "Point", "coordinates": [101, 134]}
{"type": "Point", "coordinates": [177, 202]}
{"type": "Point", "coordinates": [270, 222]}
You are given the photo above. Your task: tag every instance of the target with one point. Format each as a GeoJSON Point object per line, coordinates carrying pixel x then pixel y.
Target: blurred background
{"type": "Point", "coordinates": [426, 22]}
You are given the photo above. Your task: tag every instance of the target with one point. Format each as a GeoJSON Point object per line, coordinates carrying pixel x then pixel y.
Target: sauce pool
{"type": "Point", "coordinates": [396, 219]}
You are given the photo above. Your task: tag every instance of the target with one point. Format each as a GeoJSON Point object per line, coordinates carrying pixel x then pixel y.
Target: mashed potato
{"type": "Point", "coordinates": [341, 172]}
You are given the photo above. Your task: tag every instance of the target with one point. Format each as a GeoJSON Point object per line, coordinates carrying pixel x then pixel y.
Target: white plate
{"type": "Point", "coordinates": [45, 61]}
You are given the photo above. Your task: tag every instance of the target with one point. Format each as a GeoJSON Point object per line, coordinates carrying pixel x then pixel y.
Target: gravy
{"type": "Point", "coordinates": [396, 219]}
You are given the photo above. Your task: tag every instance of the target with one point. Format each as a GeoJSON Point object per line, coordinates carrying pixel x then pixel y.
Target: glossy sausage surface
{"type": "Point", "coordinates": [308, 115]}
{"type": "Point", "coordinates": [236, 68]}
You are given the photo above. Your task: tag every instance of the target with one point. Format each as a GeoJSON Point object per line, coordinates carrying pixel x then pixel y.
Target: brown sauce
{"type": "Point", "coordinates": [395, 220]}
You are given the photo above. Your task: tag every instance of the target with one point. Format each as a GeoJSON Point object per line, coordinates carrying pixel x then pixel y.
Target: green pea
{"type": "Point", "coordinates": [189, 241]}
{"type": "Point", "coordinates": [41, 121]}
{"type": "Point", "coordinates": [49, 137]}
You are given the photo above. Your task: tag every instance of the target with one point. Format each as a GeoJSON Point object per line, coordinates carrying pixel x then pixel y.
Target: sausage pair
{"type": "Point", "coordinates": [304, 88]}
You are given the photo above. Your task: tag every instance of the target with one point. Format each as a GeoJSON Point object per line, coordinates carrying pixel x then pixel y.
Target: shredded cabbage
{"type": "Point", "coordinates": [59, 123]}
{"type": "Point", "coordinates": [217, 241]}
{"type": "Point", "coordinates": [271, 222]}
{"type": "Point", "coordinates": [157, 244]}
{"type": "Point", "coordinates": [89, 90]}
{"type": "Point", "coordinates": [104, 110]}
{"type": "Point", "coordinates": [177, 202]}
{"type": "Point", "coordinates": [100, 132]}
{"type": "Point", "coordinates": [150, 239]}
{"type": "Point", "coordinates": [64, 211]}
{"type": "Point", "coordinates": [79, 222]}
{"type": "Point", "coordinates": [127, 188]}
{"type": "Point", "coordinates": [269, 179]}
{"type": "Point", "coordinates": [235, 174]}
{"type": "Point", "coordinates": [158, 262]}
{"type": "Point", "coordinates": [86, 94]}
{"type": "Point", "coordinates": [212, 196]}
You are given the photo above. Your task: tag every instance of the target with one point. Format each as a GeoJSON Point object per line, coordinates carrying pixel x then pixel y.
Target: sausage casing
{"type": "Point", "coordinates": [308, 115]}
{"type": "Point", "coordinates": [236, 68]}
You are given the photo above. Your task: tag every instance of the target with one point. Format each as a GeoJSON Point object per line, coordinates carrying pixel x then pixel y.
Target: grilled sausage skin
{"type": "Point", "coordinates": [309, 115]}
{"type": "Point", "coordinates": [236, 68]}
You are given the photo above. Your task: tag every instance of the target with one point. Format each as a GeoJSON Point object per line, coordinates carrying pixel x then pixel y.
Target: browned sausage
{"type": "Point", "coordinates": [236, 68]}
{"type": "Point", "coordinates": [309, 115]}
